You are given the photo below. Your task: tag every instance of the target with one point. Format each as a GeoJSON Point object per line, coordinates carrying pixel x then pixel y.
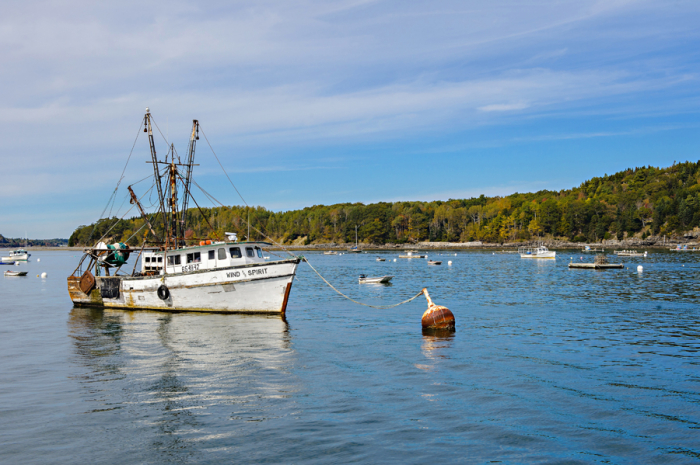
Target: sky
{"type": "Point", "coordinates": [321, 102]}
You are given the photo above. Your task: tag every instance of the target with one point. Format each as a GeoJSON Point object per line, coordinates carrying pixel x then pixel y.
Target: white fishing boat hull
{"type": "Point", "coordinates": [252, 288]}
{"type": "Point", "coordinates": [546, 255]}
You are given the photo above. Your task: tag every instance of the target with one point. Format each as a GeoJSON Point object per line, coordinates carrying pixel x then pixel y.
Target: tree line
{"type": "Point", "coordinates": [16, 242]}
{"type": "Point", "coordinates": [638, 202]}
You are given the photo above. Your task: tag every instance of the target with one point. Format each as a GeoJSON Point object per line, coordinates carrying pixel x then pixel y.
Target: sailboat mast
{"type": "Point", "coordinates": [149, 129]}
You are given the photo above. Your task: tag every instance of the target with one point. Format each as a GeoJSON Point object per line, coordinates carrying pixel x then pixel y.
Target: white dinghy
{"type": "Point", "coordinates": [364, 279]}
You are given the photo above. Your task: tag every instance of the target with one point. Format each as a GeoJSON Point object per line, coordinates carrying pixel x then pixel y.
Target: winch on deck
{"type": "Point", "coordinates": [114, 254]}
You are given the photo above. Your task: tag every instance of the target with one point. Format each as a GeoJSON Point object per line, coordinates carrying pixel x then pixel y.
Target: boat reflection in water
{"type": "Point", "coordinates": [174, 376]}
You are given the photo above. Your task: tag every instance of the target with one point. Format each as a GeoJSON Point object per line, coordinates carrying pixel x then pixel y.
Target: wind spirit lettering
{"type": "Point", "coordinates": [253, 272]}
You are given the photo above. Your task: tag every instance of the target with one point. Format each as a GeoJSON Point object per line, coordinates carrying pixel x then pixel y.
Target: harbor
{"type": "Point", "coordinates": [189, 386]}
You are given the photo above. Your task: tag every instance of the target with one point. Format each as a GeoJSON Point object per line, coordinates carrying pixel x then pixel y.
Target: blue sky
{"type": "Point", "coordinates": [350, 101]}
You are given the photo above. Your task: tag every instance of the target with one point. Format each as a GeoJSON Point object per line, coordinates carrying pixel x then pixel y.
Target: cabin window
{"type": "Point", "coordinates": [222, 254]}
{"type": "Point", "coordinates": [160, 259]}
{"type": "Point", "coordinates": [259, 251]}
{"type": "Point", "coordinates": [173, 260]}
{"type": "Point", "coordinates": [250, 252]}
{"type": "Point", "coordinates": [211, 254]}
{"type": "Point", "coordinates": [148, 259]}
{"type": "Point", "coordinates": [235, 252]}
{"type": "Point", "coordinates": [195, 257]}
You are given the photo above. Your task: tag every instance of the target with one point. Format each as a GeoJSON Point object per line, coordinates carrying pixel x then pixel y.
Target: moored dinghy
{"type": "Point", "coordinates": [364, 279]}
{"type": "Point", "coordinates": [15, 273]}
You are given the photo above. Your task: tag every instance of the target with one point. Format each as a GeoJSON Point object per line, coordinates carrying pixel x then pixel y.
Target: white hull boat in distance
{"type": "Point", "coordinates": [214, 276]}
{"type": "Point", "coordinates": [537, 252]}
{"type": "Point", "coordinates": [16, 273]}
{"type": "Point", "coordinates": [20, 255]}
{"type": "Point", "coordinates": [377, 280]}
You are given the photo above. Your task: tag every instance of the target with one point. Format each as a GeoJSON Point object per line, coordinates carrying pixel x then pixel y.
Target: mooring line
{"type": "Point", "coordinates": [360, 303]}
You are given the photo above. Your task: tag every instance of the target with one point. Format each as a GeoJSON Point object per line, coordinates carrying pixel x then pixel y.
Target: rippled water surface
{"type": "Point", "coordinates": [547, 365]}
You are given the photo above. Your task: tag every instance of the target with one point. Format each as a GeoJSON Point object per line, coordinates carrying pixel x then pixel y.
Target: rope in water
{"type": "Point", "coordinates": [360, 303]}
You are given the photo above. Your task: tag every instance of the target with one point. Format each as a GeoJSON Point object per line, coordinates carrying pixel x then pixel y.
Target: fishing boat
{"type": "Point", "coordinates": [176, 274]}
{"type": "Point", "coordinates": [19, 255]}
{"type": "Point", "coordinates": [380, 259]}
{"type": "Point", "coordinates": [536, 252]}
{"type": "Point", "coordinates": [364, 279]}
{"type": "Point", "coordinates": [434, 262]}
{"type": "Point", "coordinates": [330, 252]}
{"type": "Point", "coordinates": [15, 273]}
{"type": "Point", "coordinates": [589, 249]}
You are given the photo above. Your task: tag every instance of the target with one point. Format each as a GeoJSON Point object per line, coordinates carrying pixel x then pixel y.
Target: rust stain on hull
{"type": "Point", "coordinates": [283, 310]}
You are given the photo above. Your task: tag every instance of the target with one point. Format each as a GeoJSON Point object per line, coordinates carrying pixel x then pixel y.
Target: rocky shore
{"type": "Point", "coordinates": [691, 240]}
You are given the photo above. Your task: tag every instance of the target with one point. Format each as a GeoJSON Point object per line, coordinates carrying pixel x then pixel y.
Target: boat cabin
{"type": "Point", "coordinates": [203, 257]}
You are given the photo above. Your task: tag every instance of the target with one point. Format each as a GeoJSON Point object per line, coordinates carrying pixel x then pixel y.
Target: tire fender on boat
{"type": "Point", "coordinates": [163, 292]}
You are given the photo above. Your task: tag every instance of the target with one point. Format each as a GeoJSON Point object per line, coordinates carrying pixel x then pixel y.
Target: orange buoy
{"type": "Point", "coordinates": [202, 243]}
{"type": "Point", "coordinates": [437, 316]}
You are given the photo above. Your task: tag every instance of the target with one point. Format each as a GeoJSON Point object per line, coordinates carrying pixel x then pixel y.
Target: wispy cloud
{"type": "Point", "coordinates": [315, 78]}
{"type": "Point", "coordinates": [504, 106]}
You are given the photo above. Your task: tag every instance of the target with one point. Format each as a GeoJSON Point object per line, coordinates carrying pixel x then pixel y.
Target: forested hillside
{"type": "Point", "coordinates": [19, 242]}
{"type": "Point", "coordinates": [641, 202]}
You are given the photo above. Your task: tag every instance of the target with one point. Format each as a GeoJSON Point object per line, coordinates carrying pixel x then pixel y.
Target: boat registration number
{"type": "Point", "coordinates": [188, 268]}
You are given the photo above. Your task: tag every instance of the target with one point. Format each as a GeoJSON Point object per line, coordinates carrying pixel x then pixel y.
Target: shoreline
{"type": "Point", "coordinates": [611, 244]}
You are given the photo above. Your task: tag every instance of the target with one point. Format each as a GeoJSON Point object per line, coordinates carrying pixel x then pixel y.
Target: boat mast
{"type": "Point", "coordinates": [194, 137]}
{"type": "Point", "coordinates": [173, 198]}
{"type": "Point", "coordinates": [154, 159]}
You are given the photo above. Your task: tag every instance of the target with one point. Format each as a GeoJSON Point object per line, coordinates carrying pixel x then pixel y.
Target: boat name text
{"type": "Point", "coordinates": [253, 272]}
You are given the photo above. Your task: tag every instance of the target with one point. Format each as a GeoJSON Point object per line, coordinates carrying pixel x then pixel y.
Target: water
{"type": "Point", "coordinates": [547, 365]}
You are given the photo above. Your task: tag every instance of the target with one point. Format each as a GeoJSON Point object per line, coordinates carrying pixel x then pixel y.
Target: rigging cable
{"type": "Point", "coordinates": [117, 222]}
{"type": "Point", "coordinates": [111, 198]}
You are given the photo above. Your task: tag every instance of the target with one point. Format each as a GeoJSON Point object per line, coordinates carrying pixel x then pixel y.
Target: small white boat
{"type": "Point", "coordinates": [380, 259]}
{"type": "Point", "coordinates": [17, 255]}
{"type": "Point", "coordinates": [630, 253]}
{"type": "Point", "coordinates": [330, 252]}
{"type": "Point", "coordinates": [536, 252]}
{"type": "Point", "coordinates": [364, 279]}
{"type": "Point", "coordinates": [15, 273]}
{"type": "Point", "coordinates": [412, 254]}
{"type": "Point", "coordinates": [434, 262]}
